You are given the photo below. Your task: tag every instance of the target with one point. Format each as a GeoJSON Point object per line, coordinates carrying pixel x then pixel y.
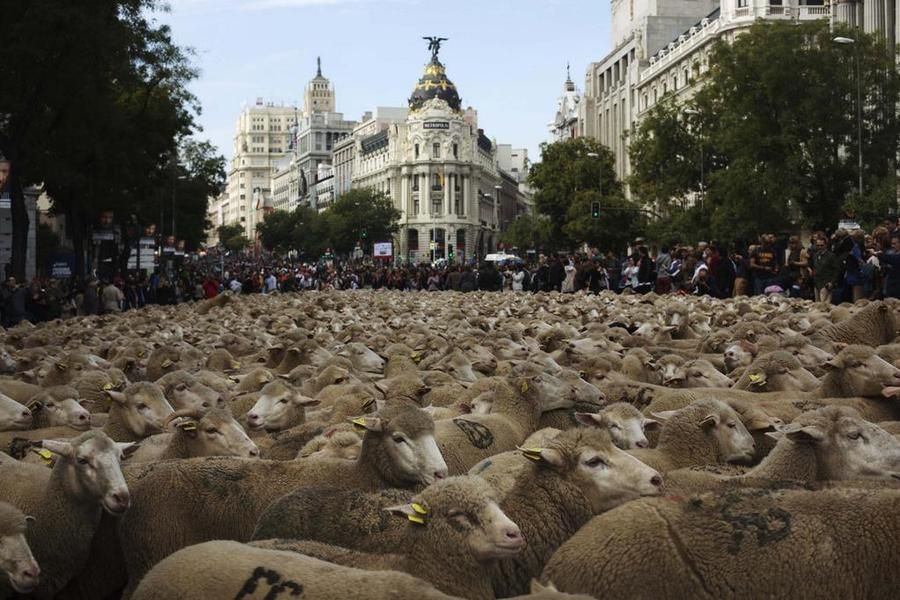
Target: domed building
{"type": "Point", "coordinates": [456, 188]}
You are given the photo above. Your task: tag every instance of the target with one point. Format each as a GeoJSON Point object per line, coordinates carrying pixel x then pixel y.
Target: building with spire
{"type": "Point", "coordinates": [440, 169]}
{"type": "Point", "coordinates": [565, 124]}
{"type": "Point", "coordinates": [316, 130]}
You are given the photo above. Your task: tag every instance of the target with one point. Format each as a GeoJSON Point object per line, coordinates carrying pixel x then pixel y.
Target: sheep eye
{"type": "Point", "coordinates": [141, 406]}
{"type": "Point", "coordinates": [854, 435]}
{"type": "Point", "coordinates": [399, 439]}
{"type": "Point", "coordinates": [282, 401]}
{"type": "Point", "coordinates": [212, 431]}
{"type": "Point", "coordinates": [595, 462]}
{"type": "Point", "coordinates": [615, 426]}
{"type": "Point", "coordinates": [732, 425]}
{"type": "Point", "coordinates": [205, 405]}
{"type": "Point", "coordinates": [82, 461]}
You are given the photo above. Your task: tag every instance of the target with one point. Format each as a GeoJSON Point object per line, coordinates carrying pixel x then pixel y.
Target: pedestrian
{"type": "Point", "coordinates": [764, 264]}
{"type": "Point", "coordinates": [663, 263]}
{"type": "Point", "coordinates": [828, 269]}
{"type": "Point", "coordinates": [112, 298]}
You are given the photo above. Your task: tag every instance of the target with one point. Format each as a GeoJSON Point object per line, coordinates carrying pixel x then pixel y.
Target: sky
{"type": "Point", "coordinates": [507, 57]}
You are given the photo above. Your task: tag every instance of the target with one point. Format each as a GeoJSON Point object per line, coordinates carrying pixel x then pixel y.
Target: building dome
{"type": "Point", "coordinates": [434, 84]}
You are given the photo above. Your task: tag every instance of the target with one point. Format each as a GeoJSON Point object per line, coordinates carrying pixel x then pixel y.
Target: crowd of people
{"type": "Point", "coordinates": [844, 266]}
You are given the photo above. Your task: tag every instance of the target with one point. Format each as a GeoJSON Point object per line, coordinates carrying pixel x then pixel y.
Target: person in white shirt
{"type": "Point", "coordinates": [270, 284]}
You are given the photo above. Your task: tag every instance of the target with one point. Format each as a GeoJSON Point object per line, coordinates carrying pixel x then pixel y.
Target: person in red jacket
{"type": "Point", "coordinates": [210, 287]}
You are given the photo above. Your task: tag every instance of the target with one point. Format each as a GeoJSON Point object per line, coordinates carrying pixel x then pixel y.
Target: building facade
{"type": "Point", "coordinates": [662, 47]}
{"type": "Point", "coordinates": [564, 125]}
{"type": "Point", "coordinates": [439, 168]}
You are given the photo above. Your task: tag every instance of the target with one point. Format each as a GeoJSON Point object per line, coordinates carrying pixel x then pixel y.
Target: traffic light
{"type": "Point", "coordinates": [595, 210]}
{"type": "Point", "coordinates": [365, 233]}
{"type": "Point", "coordinates": [450, 252]}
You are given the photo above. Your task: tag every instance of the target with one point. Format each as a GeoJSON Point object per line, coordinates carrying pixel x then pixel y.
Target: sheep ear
{"type": "Point", "coordinates": [127, 448]}
{"type": "Point", "coordinates": [710, 420]}
{"type": "Point", "coordinates": [85, 402]}
{"type": "Point", "coordinates": [118, 397]}
{"type": "Point", "coordinates": [188, 425]}
{"type": "Point", "coordinates": [587, 419]}
{"type": "Point", "coordinates": [34, 405]}
{"type": "Point", "coordinates": [651, 424]}
{"type": "Point", "coordinates": [301, 400]}
{"type": "Point", "coordinates": [808, 434]}
{"type": "Point", "coordinates": [833, 365]}
{"type": "Point", "coordinates": [382, 386]}
{"type": "Point", "coordinates": [368, 423]}
{"type": "Point", "coordinates": [664, 415]}
{"type": "Point", "coordinates": [549, 456]}
{"type": "Point", "coordinates": [537, 588]}
{"type": "Point", "coordinates": [58, 447]}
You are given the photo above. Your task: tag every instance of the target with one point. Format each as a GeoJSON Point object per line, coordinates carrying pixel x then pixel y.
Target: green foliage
{"type": "Point", "coordinates": [359, 216]}
{"type": "Point", "coordinates": [565, 170]}
{"type": "Point", "coordinates": [528, 232]}
{"type": "Point", "coordinates": [226, 232]}
{"type": "Point", "coordinates": [96, 110]}
{"type": "Point", "coordinates": [775, 122]}
{"type": "Point", "coordinates": [618, 224]}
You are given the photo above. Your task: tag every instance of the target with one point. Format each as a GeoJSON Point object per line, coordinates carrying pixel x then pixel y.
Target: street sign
{"type": "Point", "coordinates": [432, 245]}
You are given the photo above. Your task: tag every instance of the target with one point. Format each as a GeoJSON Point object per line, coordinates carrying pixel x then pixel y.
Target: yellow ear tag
{"type": "Point", "coordinates": [419, 508]}
{"type": "Point", "coordinates": [757, 379]}
{"type": "Point", "coordinates": [414, 356]}
{"type": "Point", "coordinates": [524, 386]}
{"type": "Point", "coordinates": [166, 364]}
{"type": "Point", "coordinates": [107, 387]}
{"type": "Point", "coordinates": [532, 453]}
{"type": "Point", "coordinates": [45, 454]}
{"type": "Point", "coordinates": [236, 365]}
{"type": "Point", "coordinates": [416, 519]}
{"type": "Point", "coordinates": [189, 427]}
{"type": "Point", "coordinates": [360, 422]}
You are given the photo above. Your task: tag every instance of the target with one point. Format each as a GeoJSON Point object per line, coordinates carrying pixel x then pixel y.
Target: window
{"type": "Point", "coordinates": [415, 183]}
{"type": "Point", "coordinates": [456, 151]}
{"type": "Point", "coordinates": [741, 3]}
{"type": "Point", "coordinates": [417, 151]}
{"type": "Point", "coordinates": [435, 151]}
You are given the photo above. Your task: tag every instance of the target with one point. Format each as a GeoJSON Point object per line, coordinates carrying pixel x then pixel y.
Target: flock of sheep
{"type": "Point", "coordinates": [389, 445]}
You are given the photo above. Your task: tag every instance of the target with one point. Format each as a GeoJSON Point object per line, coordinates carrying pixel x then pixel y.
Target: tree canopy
{"type": "Point", "coordinates": [571, 175]}
{"type": "Point", "coordinates": [361, 216]}
{"type": "Point", "coordinates": [96, 107]}
{"type": "Point", "coordinates": [775, 123]}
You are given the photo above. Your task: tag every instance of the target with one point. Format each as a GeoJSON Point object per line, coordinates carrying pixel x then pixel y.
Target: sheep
{"type": "Point", "coordinates": [162, 360]}
{"type": "Point", "coordinates": [809, 355]}
{"type": "Point", "coordinates": [226, 569]}
{"type": "Point", "coordinates": [228, 494]}
{"type": "Point", "coordinates": [67, 501]}
{"type": "Point", "coordinates": [16, 559]}
{"type": "Point", "coordinates": [184, 390]}
{"type": "Point", "coordinates": [334, 442]}
{"type": "Point", "coordinates": [137, 412]}
{"type": "Point", "coordinates": [705, 432]}
{"type": "Point", "coordinates": [777, 372]}
{"type": "Point", "coordinates": [222, 361]}
{"type": "Point", "coordinates": [19, 391]}
{"type": "Point", "coordinates": [363, 359]}
{"type": "Point", "coordinates": [741, 544]}
{"type": "Point", "coordinates": [515, 414]}
{"type": "Point", "coordinates": [278, 407]}
{"type": "Point", "coordinates": [92, 387]}
{"type": "Point", "coordinates": [831, 443]}
{"type": "Point", "coordinates": [625, 424]}
{"type": "Point", "coordinates": [60, 406]}
{"type": "Point", "coordinates": [254, 380]}
{"type": "Point", "coordinates": [219, 301]}
{"type": "Point", "coordinates": [453, 531]}
{"type": "Point", "coordinates": [739, 354]}
{"type": "Point", "coordinates": [212, 432]}
{"type": "Point", "coordinates": [13, 415]}
{"type": "Point", "coordinates": [579, 474]}
{"type": "Point", "coordinates": [873, 325]}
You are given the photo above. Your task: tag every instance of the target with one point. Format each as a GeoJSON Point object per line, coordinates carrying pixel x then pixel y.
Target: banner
{"type": "Point", "coordinates": [383, 250]}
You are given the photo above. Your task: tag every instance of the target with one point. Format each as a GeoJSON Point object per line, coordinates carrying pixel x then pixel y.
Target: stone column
{"type": "Point", "coordinates": [466, 197]}
{"type": "Point", "coordinates": [404, 195]}
{"type": "Point", "coordinates": [448, 207]}
{"type": "Point", "coordinates": [425, 193]}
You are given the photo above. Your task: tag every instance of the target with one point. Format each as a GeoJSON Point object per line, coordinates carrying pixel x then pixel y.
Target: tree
{"type": "Point", "coordinates": [94, 111]}
{"type": "Point", "coordinates": [226, 232]}
{"type": "Point", "coordinates": [527, 231]}
{"type": "Point", "coordinates": [572, 176]}
{"type": "Point", "coordinates": [361, 215]}
{"type": "Point", "coordinates": [775, 121]}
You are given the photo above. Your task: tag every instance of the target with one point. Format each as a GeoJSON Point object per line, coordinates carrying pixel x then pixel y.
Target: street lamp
{"type": "Point", "coordinates": [694, 111]}
{"type": "Point", "coordinates": [845, 41]}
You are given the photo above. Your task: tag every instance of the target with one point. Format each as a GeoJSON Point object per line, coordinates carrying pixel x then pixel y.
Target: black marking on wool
{"type": "Point", "coordinates": [483, 466]}
{"type": "Point", "coordinates": [273, 580]}
{"type": "Point", "coordinates": [479, 435]}
{"type": "Point", "coordinates": [769, 526]}
{"type": "Point", "coordinates": [644, 397]}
